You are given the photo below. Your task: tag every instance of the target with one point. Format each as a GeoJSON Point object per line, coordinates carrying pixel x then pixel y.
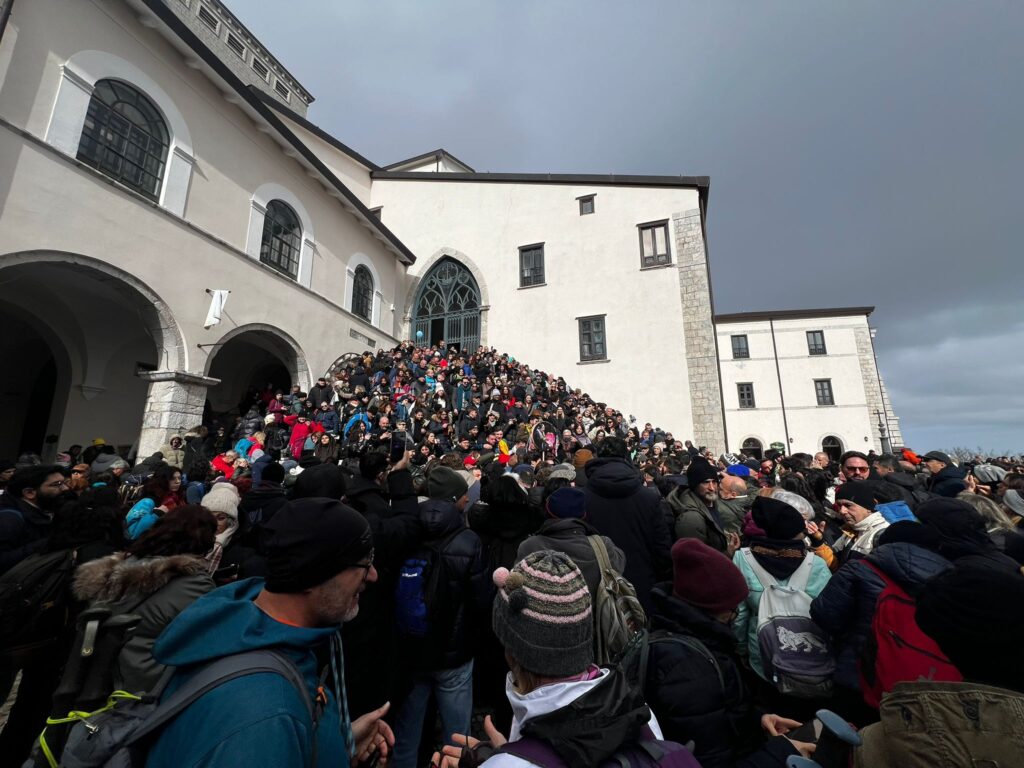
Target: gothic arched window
{"type": "Point", "coordinates": [125, 137]}
{"type": "Point", "coordinates": [282, 238]}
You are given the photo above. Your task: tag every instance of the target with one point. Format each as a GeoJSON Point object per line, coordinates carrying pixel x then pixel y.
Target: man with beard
{"type": "Point", "coordinates": [696, 509]}
{"type": "Point", "coordinates": [33, 494]}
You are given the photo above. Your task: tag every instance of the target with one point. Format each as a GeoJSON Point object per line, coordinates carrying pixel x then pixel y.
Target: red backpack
{"type": "Point", "coordinates": [897, 650]}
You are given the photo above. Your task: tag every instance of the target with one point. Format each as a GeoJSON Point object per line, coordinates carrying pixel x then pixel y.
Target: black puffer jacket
{"type": "Point", "coordinates": [846, 606]}
{"type": "Point", "coordinates": [465, 592]}
{"type": "Point", "coordinates": [902, 483]}
{"type": "Point", "coordinates": [684, 689]}
{"type": "Point", "coordinates": [621, 508]}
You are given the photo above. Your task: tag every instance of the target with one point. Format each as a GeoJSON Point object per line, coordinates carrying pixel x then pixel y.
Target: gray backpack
{"type": "Point", "coordinates": [618, 615]}
{"type": "Point", "coordinates": [120, 734]}
{"type": "Point", "coordinates": [794, 651]}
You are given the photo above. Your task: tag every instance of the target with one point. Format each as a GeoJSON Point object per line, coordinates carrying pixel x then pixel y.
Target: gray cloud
{"type": "Point", "coordinates": [860, 153]}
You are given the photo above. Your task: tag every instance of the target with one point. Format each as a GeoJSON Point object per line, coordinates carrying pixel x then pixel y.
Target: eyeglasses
{"type": "Point", "coordinates": [858, 470]}
{"type": "Point", "coordinates": [56, 484]}
{"type": "Point", "coordinates": [365, 566]}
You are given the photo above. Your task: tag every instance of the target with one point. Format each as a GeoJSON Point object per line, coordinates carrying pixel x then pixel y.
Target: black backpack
{"type": "Point", "coordinates": [277, 440]}
{"type": "Point", "coordinates": [421, 607]}
{"type": "Point", "coordinates": [35, 598]}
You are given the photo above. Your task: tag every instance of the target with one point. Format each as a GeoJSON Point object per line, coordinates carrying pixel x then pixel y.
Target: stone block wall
{"type": "Point", "coordinates": [699, 331]}
{"type": "Point", "coordinates": [173, 406]}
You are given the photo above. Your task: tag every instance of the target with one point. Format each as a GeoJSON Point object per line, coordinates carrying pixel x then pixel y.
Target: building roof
{"type": "Point", "coordinates": [438, 154]}
{"type": "Point", "coordinates": [316, 130]}
{"type": "Point", "coordinates": [616, 180]}
{"type": "Point", "coordinates": [793, 314]}
{"type": "Point", "coordinates": [267, 121]}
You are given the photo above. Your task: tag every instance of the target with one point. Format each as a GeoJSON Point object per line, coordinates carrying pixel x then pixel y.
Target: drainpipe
{"type": "Point", "coordinates": [782, 398]}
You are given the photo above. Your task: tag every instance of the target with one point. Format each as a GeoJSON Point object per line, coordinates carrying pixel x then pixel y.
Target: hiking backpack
{"type": "Point", "coordinates": [646, 753]}
{"type": "Point", "coordinates": [35, 598]}
{"type": "Point", "coordinates": [897, 650]}
{"type": "Point", "coordinates": [618, 615]}
{"type": "Point", "coordinates": [120, 734]}
{"type": "Point", "coordinates": [794, 651]}
{"type": "Point", "coordinates": [419, 603]}
{"type": "Point", "coordinates": [277, 440]}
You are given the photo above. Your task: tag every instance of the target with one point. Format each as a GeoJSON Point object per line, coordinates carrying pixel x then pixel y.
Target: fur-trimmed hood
{"type": "Point", "coordinates": [118, 576]}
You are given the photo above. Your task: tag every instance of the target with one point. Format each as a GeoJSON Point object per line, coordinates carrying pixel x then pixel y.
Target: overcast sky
{"type": "Point", "coordinates": [860, 153]}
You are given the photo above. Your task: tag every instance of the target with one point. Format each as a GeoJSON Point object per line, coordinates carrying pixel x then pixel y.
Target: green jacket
{"type": "Point", "coordinates": [693, 519]}
{"type": "Point", "coordinates": [733, 511]}
{"type": "Point", "coordinates": [945, 725]}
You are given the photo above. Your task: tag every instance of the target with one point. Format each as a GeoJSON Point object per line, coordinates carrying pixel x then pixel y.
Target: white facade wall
{"type": "Point", "coordinates": [790, 363]}
{"type": "Point", "coordinates": [592, 267]}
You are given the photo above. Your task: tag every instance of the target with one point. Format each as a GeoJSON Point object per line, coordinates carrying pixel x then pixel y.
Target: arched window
{"type": "Point", "coordinates": [125, 137]}
{"type": "Point", "coordinates": [752, 447]}
{"type": "Point", "coordinates": [282, 238]}
{"type": "Point", "coordinates": [833, 446]}
{"type": "Point", "coordinates": [362, 294]}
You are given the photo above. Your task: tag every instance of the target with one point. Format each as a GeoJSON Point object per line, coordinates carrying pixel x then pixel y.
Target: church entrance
{"type": "Point", "coordinates": [447, 307]}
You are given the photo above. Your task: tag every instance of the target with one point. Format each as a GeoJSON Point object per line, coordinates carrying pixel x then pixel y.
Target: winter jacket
{"type": "Point", "coordinates": [695, 520]}
{"type": "Point", "coordinates": [684, 690]}
{"type": "Point", "coordinates": [945, 725]}
{"type": "Point", "coordinates": [143, 514]}
{"type": "Point", "coordinates": [733, 511]}
{"type": "Point", "coordinates": [745, 626]}
{"type": "Point", "coordinates": [156, 589]}
{"type": "Point", "coordinates": [174, 457]}
{"type": "Point", "coordinates": [621, 508]}
{"type": "Point", "coordinates": [256, 509]}
{"type": "Point", "coordinates": [502, 528]}
{"type": "Point", "coordinates": [328, 420]}
{"type": "Point", "coordinates": [572, 537]}
{"type": "Point", "coordinates": [320, 394]}
{"type": "Point", "coordinates": [948, 481]}
{"type": "Point", "coordinates": [24, 530]}
{"type": "Point", "coordinates": [585, 721]}
{"type": "Point", "coordinates": [465, 592]}
{"type": "Point", "coordinates": [846, 606]}
{"type": "Point", "coordinates": [902, 483]}
{"type": "Point", "coordinates": [257, 720]}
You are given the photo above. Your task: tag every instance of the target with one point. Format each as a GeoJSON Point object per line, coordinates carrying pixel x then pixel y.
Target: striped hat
{"type": "Point", "coordinates": [542, 615]}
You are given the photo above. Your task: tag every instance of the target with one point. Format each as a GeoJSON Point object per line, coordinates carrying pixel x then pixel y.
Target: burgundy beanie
{"type": "Point", "coordinates": [705, 578]}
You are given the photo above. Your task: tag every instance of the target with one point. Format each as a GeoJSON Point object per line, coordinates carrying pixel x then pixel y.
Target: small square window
{"type": "Point", "coordinates": [823, 392]}
{"type": "Point", "coordinates": [816, 343]}
{"type": "Point", "coordinates": [586, 205]}
{"type": "Point", "coordinates": [740, 350]}
{"type": "Point", "coordinates": [745, 392]}
{"type": "Point", "coordinates": [260, 68]}
{"type": "Point", "coordinates": [531, 265]}
{"type": "Point", "coordinates": [592, 339]}
{"type": "Point", "coordinates": [209, 18]}
{"type": "Point", "coordinates": [654, 250]}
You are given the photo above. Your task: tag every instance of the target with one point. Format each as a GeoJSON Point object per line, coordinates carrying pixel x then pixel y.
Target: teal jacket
{"type": "Point", "coordinates": [253, 721]}
{"type": "Point", "coordinates": [745, 625]}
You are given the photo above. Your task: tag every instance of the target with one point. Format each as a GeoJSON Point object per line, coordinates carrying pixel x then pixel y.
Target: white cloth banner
{"type": "Point", "coordinates": [217, 301]}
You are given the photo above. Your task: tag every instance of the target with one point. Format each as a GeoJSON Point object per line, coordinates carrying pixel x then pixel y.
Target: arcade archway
{"type": "Point", "coordinates": [250, 360]}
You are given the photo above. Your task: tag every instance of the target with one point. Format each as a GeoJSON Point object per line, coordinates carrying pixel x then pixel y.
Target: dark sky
{"type": "Point", "coordinates": [860, 153]}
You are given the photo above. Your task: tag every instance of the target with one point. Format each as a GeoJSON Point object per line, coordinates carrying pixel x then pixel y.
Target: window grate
{"type": "Point", "coordinates": [816, 343]}
{"type": "Point", "coordinates": [125, 137]}
{"type": "Point", "coordinates": [260, 68]}
{"type": "Point", "coordinates": [362, 294]}
{"type": "Point", "coordinates": [236, 45]}
{"type": "Point", "coordinates": [823, 392]}
{"type": "Point", "coordinates": [282, 239]}
{"type": "Point", "coordinates": [740, 349]}
{"type": "Point", "coordinates": [209, 18]}
{"type": "Point", "coordinates": [282, 89]}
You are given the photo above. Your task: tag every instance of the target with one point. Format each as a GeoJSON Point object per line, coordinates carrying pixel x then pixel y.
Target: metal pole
{"type": "Point", "coordinates": [882, 434]}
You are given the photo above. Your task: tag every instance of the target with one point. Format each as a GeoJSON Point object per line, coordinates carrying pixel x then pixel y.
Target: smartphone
{"type": "Point", "coordinates": [397, 446]}
{"type": "Point", "coordinates": [809, 732]}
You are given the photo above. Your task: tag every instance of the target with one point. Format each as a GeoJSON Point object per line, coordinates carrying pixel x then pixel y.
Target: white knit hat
{"type": "Point", "coordinates": [222, 497]}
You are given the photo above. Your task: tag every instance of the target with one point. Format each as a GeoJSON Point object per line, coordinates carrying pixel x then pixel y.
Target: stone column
{"type": "Point", "coordinates": [699, 332]}
{"type": "Point", "coordinates": [174, 404]}
{"type": "Point", "coordinates": [872, 382]}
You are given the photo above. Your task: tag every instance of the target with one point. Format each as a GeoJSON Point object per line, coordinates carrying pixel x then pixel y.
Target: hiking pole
{"type": "Point", "coordinates": [99, 682]}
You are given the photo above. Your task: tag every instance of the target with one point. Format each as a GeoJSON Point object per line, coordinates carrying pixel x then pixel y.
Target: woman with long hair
{"type": "Point", "coordinates": [159, 575]}
{"type": "Point", "coordinates": [161, 493]}
{"type": "Point", "coordinates": [326, 449]}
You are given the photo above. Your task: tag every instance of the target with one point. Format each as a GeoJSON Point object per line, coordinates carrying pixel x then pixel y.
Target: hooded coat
{"type": "Point", "coordinates": [846, 607]}
{"type": "Point", "coordinates": [684, 690]}
{"type": "Point", "coordinates": [695, 520]}
{"type": "Point", "coordinates": [254, 720]}
{"type": "Point", "coordinates": [156, 589]}
{"type": "Point", "coordinates": [571, 536]}
{"type": "Point", "coordinates": [631, 515]}
{"type": "Point", "coordinates": [948, 481]}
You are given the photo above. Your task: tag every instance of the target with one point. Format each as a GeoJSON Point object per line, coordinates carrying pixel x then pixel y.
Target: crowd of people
{"type": "Point", "coordinates": [431, 536]}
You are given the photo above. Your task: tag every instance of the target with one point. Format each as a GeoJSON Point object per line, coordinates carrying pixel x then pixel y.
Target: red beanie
{"type": "Point", "coordinates": [705, 578]}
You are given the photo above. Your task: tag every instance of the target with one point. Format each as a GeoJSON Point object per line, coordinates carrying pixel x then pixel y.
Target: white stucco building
{"type": "Point", "coordinates": [152, 151]}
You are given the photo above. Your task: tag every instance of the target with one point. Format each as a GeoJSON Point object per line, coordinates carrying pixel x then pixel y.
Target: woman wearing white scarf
{"type": "Point", "coordinates": [222, 500]}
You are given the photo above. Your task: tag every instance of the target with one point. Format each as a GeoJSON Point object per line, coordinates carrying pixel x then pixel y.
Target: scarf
{"type": "Point", "coordinates": [780, 557]}
{"type": "Point", "coordinates": [214, 556]}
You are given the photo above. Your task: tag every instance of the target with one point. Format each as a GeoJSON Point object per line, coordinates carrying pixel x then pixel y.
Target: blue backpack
{"type": "Point", "coordinates": [417, 596]}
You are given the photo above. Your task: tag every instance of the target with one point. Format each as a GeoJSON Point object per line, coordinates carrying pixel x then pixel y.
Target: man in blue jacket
{"type": "Point", "coordinates": [319, 560]}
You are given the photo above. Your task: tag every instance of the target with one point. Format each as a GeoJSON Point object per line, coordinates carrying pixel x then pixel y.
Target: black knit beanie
{"type": "Point", "coordinates": [311, 540]}
{"type": "Point", "coordinates": [699, 471]}
{"type": "Point", "coordinates": [776, 518]}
